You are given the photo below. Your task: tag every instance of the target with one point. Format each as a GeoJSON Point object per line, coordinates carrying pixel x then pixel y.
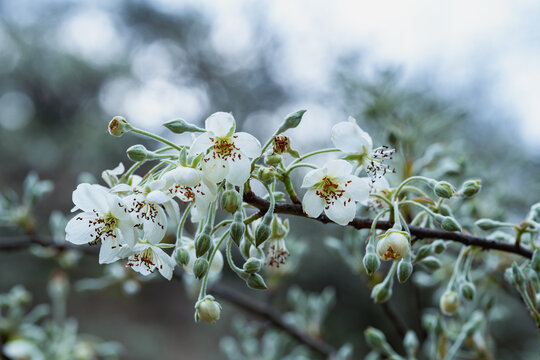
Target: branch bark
{"type": "Point", "coordinates": [417, 231]}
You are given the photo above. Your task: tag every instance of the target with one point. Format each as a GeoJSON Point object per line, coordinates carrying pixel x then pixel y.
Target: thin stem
{"type": "Point", "coordinates": [156, 137]}
{"type": "Point", "coordinates": [303, 157]}
{"type": "Point", "coordinates": [181, 224]}
{"type": "Point", "coordinates": [408, 180]}
{"type": "Point", "coordinates": [301, 165]}
{"type": "Point", "coordinates": [230, 260]}
{"type": "Point", "coordinates": [202, 293]}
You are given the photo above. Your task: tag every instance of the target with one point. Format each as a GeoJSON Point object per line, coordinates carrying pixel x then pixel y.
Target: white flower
{"type": "Point", "coordinates": [189, 245]}
{"type": "Point", "coordinates": [229, 153]}
{"type": "Point", "coordinates": [334, 190]}
{"type": "Point", "coordinates": [149, 257]}
{"type": "Point", "coordinates": [393, 246]}
{"type": "Point", "coordinates": [348, 137]}
{"type": "Point", "coordinates": [189, 185]}
{"type": "Point", "coordinates": [111, 176]}
{"type": "Point", "coordinates": [104, 220]}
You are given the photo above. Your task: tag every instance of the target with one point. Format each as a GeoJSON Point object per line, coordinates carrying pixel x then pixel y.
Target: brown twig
{"type": "Point", "coordinates": [419, 232]}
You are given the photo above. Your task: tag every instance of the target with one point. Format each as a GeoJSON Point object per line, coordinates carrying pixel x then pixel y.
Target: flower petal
{"type": "Point", "coordinates": [349, 138]}
{"type": "Point", "coordinates": [77, 229]}
{"type": "Point", "coordinates": [312, 204]}
{"type": "Point", "coordinates": [239, 171]}
{"type": "Point", "coordinates": [155, 228]}
{"type": "Point", "coordinates": [341, 211]}
{"type": "Point", "coordinates": [338, 168]}
{"type": "Point", "coordinates": [157, 197]}
{"type": "Point", "coordinates": [219, 123]}
{"type": "Point", "coordinates": [201, 144]}
{"type": "Point", "coordinates": [357, 188]}
{"type": "Point", "coordinates": [313, 177]}
{"type": "Point", "coordinates": [247, 143]}
{"type": "Point", "coordinates": [164, 263]}
{"type": "Point", "coordinates": [184, 176]}
{"type": "Point", "coordinates": [215, 169]}
{"type": "Point", "coordinates": [91, 197]}
{"type": "Point", "coordinates": [111, 250]}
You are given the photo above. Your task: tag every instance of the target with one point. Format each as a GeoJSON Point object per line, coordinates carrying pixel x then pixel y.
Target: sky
{"type": "Point", "coordinates": [456, 45]}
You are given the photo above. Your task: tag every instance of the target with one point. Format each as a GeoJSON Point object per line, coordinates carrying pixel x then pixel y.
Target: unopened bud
{"type": "Point", "coordinates": [245, 247]}
{"type": "Point", "coordinates": [381, 293]}
{"type": "Point", "coordinates": [138, 153]}
{"type": "Point", "coordinates": [431, 262]}
{"type": "Point", "coordinates": [450, 224]}
{"type": "Point", "coordinates": [200, 268]}
{"type": "Point", "coordinates": [202, 244]}
{"type": "Point", "coordinates": [238, 229]}
{"type": "Point", "coordinates": [230, 201]}
{"type": "Point", "coordinates": [291, 121]}
{"type": "Point", "coordinates": [207, 310]}
{"type": "Point", "coordinates": [404, 270]}
{"type": "Point", "coordinates": [180, 126]}
{"type": "Point", "coordinates": [262, 232]}
{"type": "Point", "coordinates": [252, 265]}
{"type": "Point", "coordinates": [255, 281]}
{"type": "Point", "coordinates": [519, 277]}
{"type": "Point", "coordinates": [423, 252]}
{"type": "Point", "coordinates": [467, 290]}
{"type": "Point", "coordinates": [374, 338]}
{"type": "Point", "coordinates": [393, 246]}
{"type": "Point", "coordinates": [535, 261]}
{"type": "Point", "coordinates": [371, 262]}
{"type": "Point", "coordinates": [488, 224]}
{"type": "Point", "coordinates": [439, 246]}
{"type": "Point", "coordinates": [266, 175]}
{"type": "Point", "coordinates": [118, 126]}
{"type": "Point", "coordinates": [411, 343]}
{"type": "Point", "coordinates": [272, 159]}
{"type": "Point", "coordinates": [449, 302]}
{"type": "Point", "coordinates": [181, 255]}
{"type": "Point", "coordinates": [470, 188]}
{"type": "Point", "coordinates": [444, 189]}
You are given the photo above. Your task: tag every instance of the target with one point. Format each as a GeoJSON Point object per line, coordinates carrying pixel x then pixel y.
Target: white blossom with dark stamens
{"type": "Point", "coordinates": [148, 257]}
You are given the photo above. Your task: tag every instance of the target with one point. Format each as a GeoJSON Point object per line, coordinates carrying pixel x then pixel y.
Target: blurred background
{"type": "Point", "coordinates": [451, 85]}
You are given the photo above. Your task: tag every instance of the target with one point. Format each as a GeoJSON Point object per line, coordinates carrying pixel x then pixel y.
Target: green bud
{"type": "Point", "coordinates": [381, 293]}
{"type": "Point", "coordinates": [272, 159]}
{"type": "Point", "coordinates": [467, 290]}
{"type": "Point", "coordinates": [230, 201]}
{"type": "Point", "coordinates": [449, 302]}
{"type": "Point", "coordinates": [444, 190]}
{"type": "Point", "coordinates": [291, 121]}
{"type": "Point", "coordinates": [180, 126]}
{"type": "Point", "coordinates": [488, 224]}
{"type": "Point", "coordinates": [445, 210]}
{"type": "Point", "coordinates": [207, 310]}
{"type": "Point", "coordinates": [118, 126]}
{"type": "Point", "coordinates": [266, 175]}
{"type": "Point", "coordinates": [450, 224]}
{"type": "Point", "coordinates": [255, 281]}
{"type": "Point", "coordinates": [262, 233]}
{"type": "Point", "coordinates": [238, 228]}
{"type": "Point", "coordinates": [252, 265]}
{"type": "Point", "coordinates": [181, 255]}
{"type": "Point", "coordinates": [371, 262]}
{"type": "Point", "coordinates": [182, 158]}
{"type": "Point", "coordinates": [535, 261]}
{"type": "Point", "coordinates": [375, 338]}
{"type": "Point", "coordinates": [200, 268]}
{"type": "Point", "coordinates": [431, 262]}
{"type": "Point", "coordinates": [519, 277]}
{"type": "Point", "coordinates": [438, 246]}
{"type": "Point", "coordinates": [509, 276]}
{"type": "Point", "coordinates": [138, 153]}
{"type": "Point", "coordinates": [423, 252]}
{"type": "Point", "coordinates": [404, 270]}
{"type": "Point", "coordinates": [470, 188]}
{"type": "Point", "coordinates": [245, 247]}
{"type": "Point", "coordinates": [202, 244]}
{"type": "Point", "coordinates": [411, 343]}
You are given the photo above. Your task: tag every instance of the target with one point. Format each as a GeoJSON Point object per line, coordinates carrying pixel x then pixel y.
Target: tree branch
{"type": "Point", "coordinates": [419, 232]}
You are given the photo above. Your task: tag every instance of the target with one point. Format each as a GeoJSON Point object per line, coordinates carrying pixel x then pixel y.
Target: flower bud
{"type": "Point", "coordinates": [449, 302]}
{"type": "Point", "coordinates": [255, 281]}
{"type": "Point", "coordinates": [200, 268]}
{"type": "Point", "coordinates": [291, 121]}
{"type": "Point", "coordinates": [252, 265]}
{"type": "Point", "coordinates": [138, 153]}
{"type": "Point", "coordinates": [180, 126]}
{"type": "Point", "coordinates": [423, 252]}
{"type": "Point", "coordinates": [374, 338]}
{"type": "Point", "coordinates": [202, 244]}
{"type": "Point", "coordinates": [230, 201]}
{"type": "Point", "coordinates": [467, 290]}
{"type": "Point", "coordinates": [381, 293]}
{"type": "Point", "coordinates": [470, 188]}
{"type": "Point", "coordinates": [431, 262]}
{"type": "Point", "coordinates": [262, 232]}
{"type": "Point", "coordinates": [207, 310]}
{"type": "Point", "coordinates": [519, 277]}
{"type": "Point", "coordinates": [444, 190]}
{"type": "Point", "coordinates": [450, 224]}
{"type": "Point", "coordinates": [488, 224]}
{"type": "Point", "coordinates": [118, 126]}
{"type": "Point", "coordinates": [404, 270]}
{"type": "Point", "coordinates": [439, 246]}
{"type": "Point", "coordinates": [535, 261]}
{"type": "Point", "coordinates": [371, 262]}
{"type": "Point", "coordinates": [272, 159]}
{"type": "Point", "coordinates": [181, 256]}
{"type": "Point", "coordinates": [394, 245]}
{"type": "Point", "coordinates": [410, 343]}
{"type": "Point", "coordinates": [266, 175]}
{"type": "Point", "coordinates": [238, 229]}
{"type": "Point", "coordinates": [245, 247]}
